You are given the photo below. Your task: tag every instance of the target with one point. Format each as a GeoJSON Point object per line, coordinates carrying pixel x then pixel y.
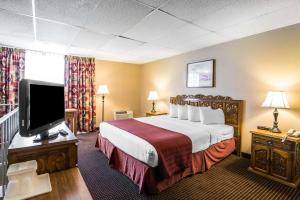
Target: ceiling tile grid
{"type": "Point", "coordinates": [138, 31]}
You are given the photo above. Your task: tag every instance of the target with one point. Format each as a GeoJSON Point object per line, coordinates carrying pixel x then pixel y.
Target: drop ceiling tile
{"type": "Point", "coordinates": [18, 6]}
{"type": "Point", "coordinates": [15, 25]}
{"type": "Point", "coordinates": [153, 3]}
{"type": "Point", "coordinates": [119, 45]}
{"type": "Point", "coordinates": [74, 12]}
{"type": "Point", "coordinates": [153, 51]}
{"type": "Point", "coordinates": [281, 18]}
{"type": "Point", "coordinates": [116, 16]}
{"type": "Point", "coordinates": [181, 38]}
{"type": "Point", "coordinates": [89, 39]}
{"type": "Point", "coordinates": [154, 26]}
{"type": "Point", "coordinates": [192, 10]}
{"type": "Point", "coordinates": [54, 32]}
{"type": "Point", "coordinates": [240, 11]}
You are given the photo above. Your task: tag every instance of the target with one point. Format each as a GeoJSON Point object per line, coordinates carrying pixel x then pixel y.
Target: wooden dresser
{"type": "Point", "coordinates": [274, 159]}
{"type": "Point", "coordinates": [53, 155]}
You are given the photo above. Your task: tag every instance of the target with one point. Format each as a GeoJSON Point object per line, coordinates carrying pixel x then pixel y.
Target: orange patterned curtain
{"type": "Point", "coordinates": [80, 90]}
{"type": "Point", "coordinates": [12, 65]}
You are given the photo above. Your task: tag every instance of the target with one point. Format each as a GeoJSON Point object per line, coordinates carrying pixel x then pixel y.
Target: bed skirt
{"type": "Point", "coordinates": [147, 178]}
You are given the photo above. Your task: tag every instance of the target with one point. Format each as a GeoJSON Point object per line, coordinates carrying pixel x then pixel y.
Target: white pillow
{"type": "Point", "coordinates": [173, 110]}
{"type": "Point", "coordinates": [212, 116]}
{"type": "Point", "coordinates": [194, 113]}
{"type": "Point", "coordinates": [182, 112]}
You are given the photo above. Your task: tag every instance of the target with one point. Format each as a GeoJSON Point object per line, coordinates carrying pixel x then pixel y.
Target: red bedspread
{"type": "Point", "coordinates": [174, 149]}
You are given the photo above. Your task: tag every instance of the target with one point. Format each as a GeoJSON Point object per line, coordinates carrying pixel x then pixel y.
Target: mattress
{"type": "Point", "coordinates": [202, 136]}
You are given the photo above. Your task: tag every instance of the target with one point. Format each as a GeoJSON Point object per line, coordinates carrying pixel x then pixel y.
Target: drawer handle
{"type": "Point", "coordinates": [270, 142]}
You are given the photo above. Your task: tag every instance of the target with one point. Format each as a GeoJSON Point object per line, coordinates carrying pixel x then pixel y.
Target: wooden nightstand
{"type": "Point", "coordinates": [274, 159]}
{"type": "Point", "coordinates": [148, 114]}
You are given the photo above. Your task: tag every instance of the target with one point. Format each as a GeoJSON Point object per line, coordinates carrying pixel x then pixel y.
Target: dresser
{"type": "Point", "coordinates": [274, 159]}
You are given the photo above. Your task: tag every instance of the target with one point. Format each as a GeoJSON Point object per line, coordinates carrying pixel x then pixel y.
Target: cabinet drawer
{"type": "Point", "coordinates": [273, 142]}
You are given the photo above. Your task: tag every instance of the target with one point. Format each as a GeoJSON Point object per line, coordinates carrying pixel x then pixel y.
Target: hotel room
{"type": "Point", "coordinates": [150, 99]}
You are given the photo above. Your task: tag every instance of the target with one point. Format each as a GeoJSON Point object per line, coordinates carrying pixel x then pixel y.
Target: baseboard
{"type": "Point", "coordinates": [246, 155]}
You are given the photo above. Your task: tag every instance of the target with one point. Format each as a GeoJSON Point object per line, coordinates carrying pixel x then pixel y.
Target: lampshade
{"type": "Point", "coordinates": [276, 100]}
{"type": "Point", "coordinates": [153, 95]}
{"type": "Point", "coordinates": [103, 89]}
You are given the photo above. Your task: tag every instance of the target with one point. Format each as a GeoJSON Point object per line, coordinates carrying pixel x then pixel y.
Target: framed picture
{"type": "Point", "coordinates": [201, 74]}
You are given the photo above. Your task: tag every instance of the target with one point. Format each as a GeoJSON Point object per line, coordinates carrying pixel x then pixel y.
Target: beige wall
{"type": "Point", "coordinates": [245, 69]}
{"type": "Point", "coordinates": [123, 81]}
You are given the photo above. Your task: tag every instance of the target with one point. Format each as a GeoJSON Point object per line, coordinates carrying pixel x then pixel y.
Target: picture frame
{"type": "Point", "coordinates": [201, 74]}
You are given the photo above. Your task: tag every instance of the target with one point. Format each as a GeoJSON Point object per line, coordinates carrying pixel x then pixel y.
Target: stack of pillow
{"type": "Point", "coordinates": [205, 115]}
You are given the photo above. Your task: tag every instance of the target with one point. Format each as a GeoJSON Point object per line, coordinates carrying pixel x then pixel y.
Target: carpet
{"type": "Point", "coordinates": [228, 180]}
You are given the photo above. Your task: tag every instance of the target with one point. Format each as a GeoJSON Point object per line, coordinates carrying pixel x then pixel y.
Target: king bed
{"type": "Point", "coordinates": [156, 152]}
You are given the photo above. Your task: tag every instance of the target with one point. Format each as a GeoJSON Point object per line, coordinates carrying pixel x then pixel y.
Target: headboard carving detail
{"type": "Point", "coordinates": [232, 110]}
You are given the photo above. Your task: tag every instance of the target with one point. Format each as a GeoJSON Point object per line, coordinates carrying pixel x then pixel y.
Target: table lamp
{"type": "Point", "coordinates": [103, 90]}
{"type": "Point", "coordinates": [276, 100]}
{"type": "Point", "coordinates": [152, 97]}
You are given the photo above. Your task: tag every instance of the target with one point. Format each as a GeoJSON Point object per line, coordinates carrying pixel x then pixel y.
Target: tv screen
{"type": "Point", "coordinates": [41, 106]}
{"type": "Point", "coordinates": [46, 105]}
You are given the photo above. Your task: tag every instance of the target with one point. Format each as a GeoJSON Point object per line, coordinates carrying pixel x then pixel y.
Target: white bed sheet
{"type": "Point", "coordinates": [202, 136]}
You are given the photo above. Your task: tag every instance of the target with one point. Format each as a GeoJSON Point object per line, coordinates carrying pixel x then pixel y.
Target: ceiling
{"type": "Point", "coordinates": [137, 31]}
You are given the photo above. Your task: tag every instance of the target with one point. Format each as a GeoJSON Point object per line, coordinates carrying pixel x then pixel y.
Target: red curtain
{"type": "Point", "coordinates": [12, 65]}
{"type": "Point", "coordinates": [80, 90]}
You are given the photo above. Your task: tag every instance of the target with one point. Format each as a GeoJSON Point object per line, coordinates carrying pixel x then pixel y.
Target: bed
{"type": "Point", "coordinates": [142, 162]}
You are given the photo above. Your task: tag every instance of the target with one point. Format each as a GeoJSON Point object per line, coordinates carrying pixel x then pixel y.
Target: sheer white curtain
{"type": "Point", "coordinates": [44, 67]}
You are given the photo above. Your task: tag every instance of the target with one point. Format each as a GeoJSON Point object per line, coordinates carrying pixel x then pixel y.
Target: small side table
{"type": "Point", "coordinates": [71, 117]}
{"type": "Point", "coordinates": [149, 114]}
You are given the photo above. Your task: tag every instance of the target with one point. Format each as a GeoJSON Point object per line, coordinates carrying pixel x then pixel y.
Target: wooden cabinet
{"type": "Point", "coordinates": [276, 159]}
{"type": "Point", "coordinates": [51, 155]}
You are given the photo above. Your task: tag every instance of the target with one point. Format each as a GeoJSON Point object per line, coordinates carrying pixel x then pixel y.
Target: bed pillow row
{"type": "Point", "coordinates": [205, 115]}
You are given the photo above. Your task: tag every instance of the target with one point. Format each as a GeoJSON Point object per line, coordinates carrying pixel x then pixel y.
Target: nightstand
{"type": "Point", "coordinates": [148, 114]}
{"type": "Point", "coordinates": [274, 159]}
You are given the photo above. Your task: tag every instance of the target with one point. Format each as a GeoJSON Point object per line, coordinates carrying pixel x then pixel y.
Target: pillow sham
{"type": "Point", "coordinates": [182, 112]}
{"type": "Point", "coordinates": [211, 116]}
{"type": "Point", "coordinates": [193, 113]}
{"type": "Point", "coordinates": [173, 110]}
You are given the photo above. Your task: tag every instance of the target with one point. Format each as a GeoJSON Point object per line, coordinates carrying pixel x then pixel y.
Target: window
{"type": "Point", "coordinates": [44, 67]}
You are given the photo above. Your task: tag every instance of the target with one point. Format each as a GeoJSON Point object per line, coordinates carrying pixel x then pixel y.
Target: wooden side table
{"type": "Point", "coordinates": [275, 159]}
{"type": "Point", "coordinates": [71, 117]}
{"type": "Point", "coordinates": [148, 114]}
{"type": "Point", "coordinates": [67, 185]}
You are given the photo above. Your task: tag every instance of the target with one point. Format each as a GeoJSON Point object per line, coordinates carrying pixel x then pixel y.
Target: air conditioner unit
{"type": "Point", "coordinates": [123, 114]}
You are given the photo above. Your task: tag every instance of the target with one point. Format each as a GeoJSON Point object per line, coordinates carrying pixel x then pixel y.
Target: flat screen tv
{"type": "Point", "coordinates": [41, 107]}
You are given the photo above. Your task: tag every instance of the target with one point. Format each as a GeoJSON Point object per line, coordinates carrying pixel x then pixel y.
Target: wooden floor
{"type": "Point", "coordinates": [66, 185]}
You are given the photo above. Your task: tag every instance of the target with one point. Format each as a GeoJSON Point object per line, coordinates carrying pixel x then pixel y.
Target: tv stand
{"type": "Point", "coordinates": [51, 155]}
{"type": "Point", "coordinates": [45, 136]}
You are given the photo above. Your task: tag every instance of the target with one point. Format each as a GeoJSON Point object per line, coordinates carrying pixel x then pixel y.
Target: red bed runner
{"type": "Point", "coordinates": [174, 149]}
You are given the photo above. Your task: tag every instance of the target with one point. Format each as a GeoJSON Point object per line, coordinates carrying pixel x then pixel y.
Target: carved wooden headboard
{"type": "Point", "coordinates": [232, 110]}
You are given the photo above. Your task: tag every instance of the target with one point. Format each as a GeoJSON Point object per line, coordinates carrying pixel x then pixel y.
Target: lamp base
{"type": "Point", "coordinates": [275, 130]}
{"type": "Point", "coordinates": [153, 107]}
